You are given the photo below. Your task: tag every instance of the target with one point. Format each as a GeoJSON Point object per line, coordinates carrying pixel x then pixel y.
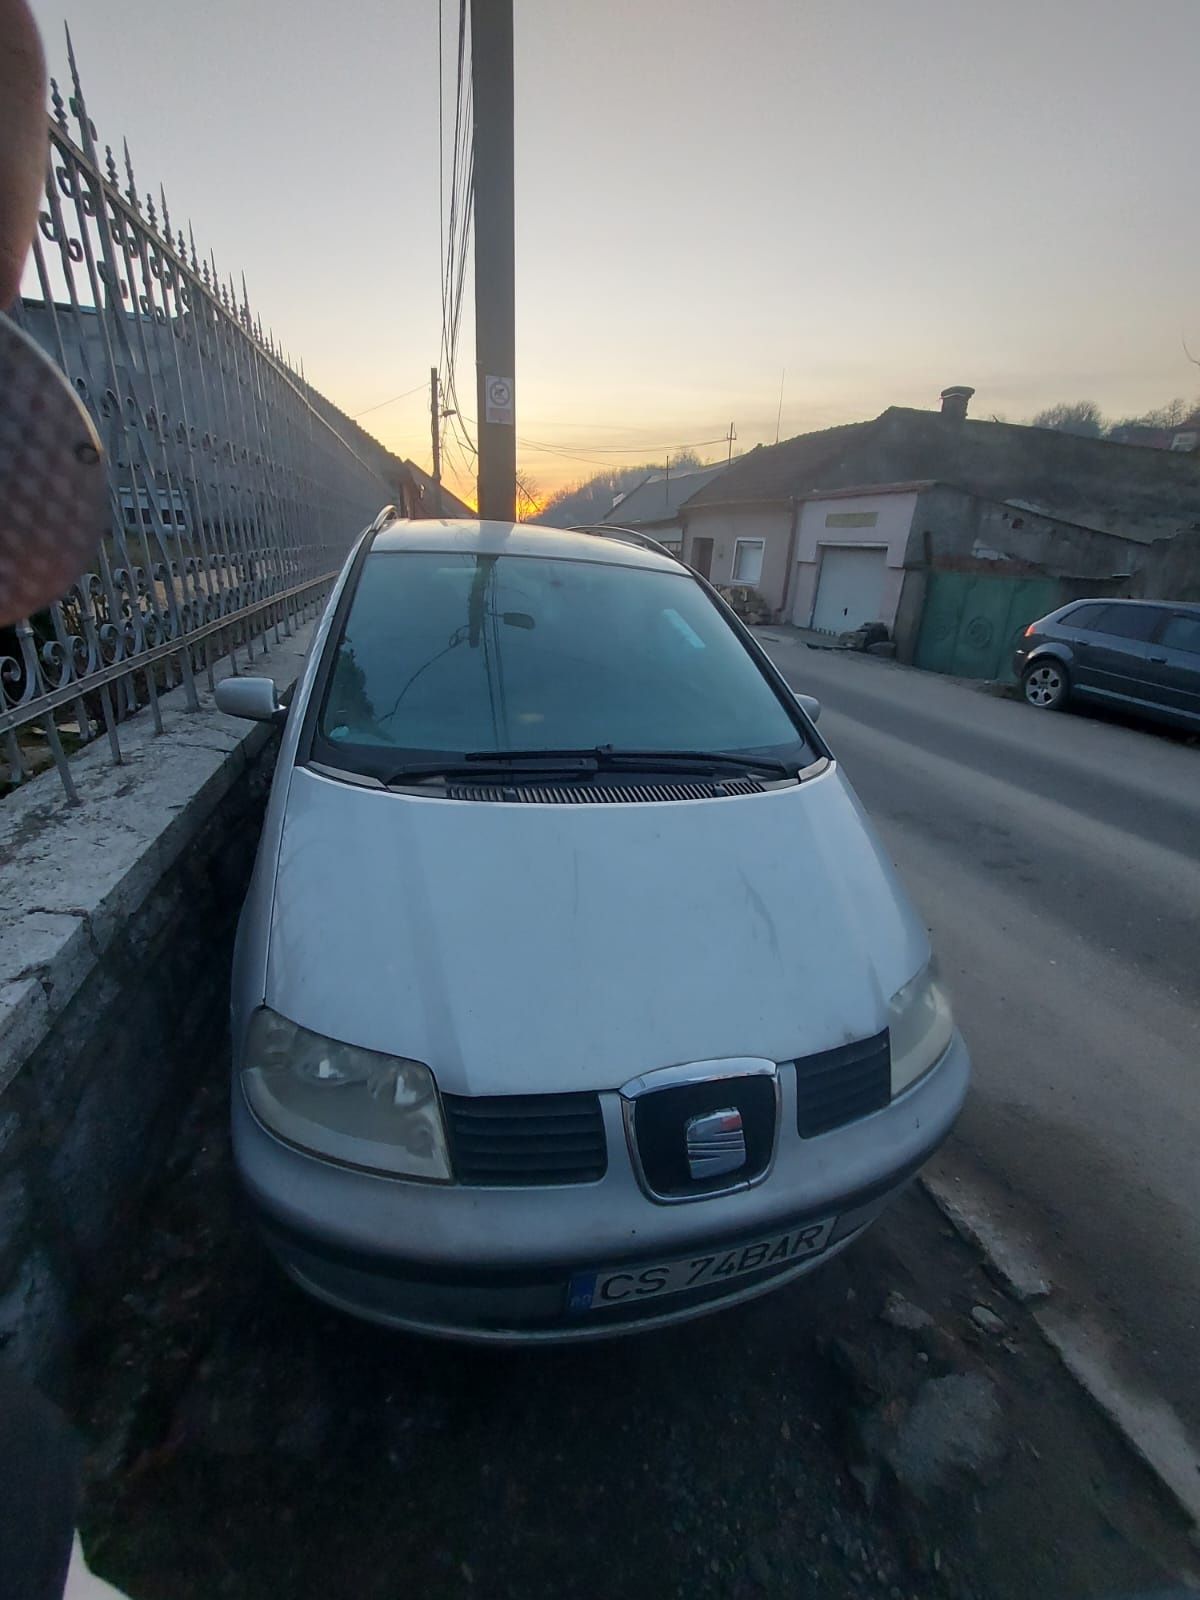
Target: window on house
{"type": "Point", "coordinates": [851, 519]}
{"type": "Point", "coordinates": [747, 561]}
{"type": "Point", "coordinates": [1182, 632]}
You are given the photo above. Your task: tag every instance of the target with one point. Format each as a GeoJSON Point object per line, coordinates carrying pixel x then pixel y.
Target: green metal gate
{"type": "Point", "coordinates": [972, 621]}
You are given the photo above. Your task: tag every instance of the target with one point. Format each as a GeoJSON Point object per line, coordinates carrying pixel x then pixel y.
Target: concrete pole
{"type": "Point", "coordinates": [495, 293]}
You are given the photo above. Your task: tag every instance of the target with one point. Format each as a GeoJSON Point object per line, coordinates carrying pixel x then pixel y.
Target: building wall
{"type": "Point", "coordinates": [953, 526]}
{"type": "Point", "coordinates": [955, 531]}
{"type": "Point", "coordinates": [725, 525]}
{"type": "Point", "coordinates": [893, 514]}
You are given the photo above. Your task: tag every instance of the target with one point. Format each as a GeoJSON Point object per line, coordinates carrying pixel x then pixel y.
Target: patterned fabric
{"type": "Point", "coordinates": [53, 504]}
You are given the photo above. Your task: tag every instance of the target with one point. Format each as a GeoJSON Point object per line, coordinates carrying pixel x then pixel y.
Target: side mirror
{"type": "Point", "coordinates": [253, 698]}
{"type": "Point", "coordinates": [808, 703]}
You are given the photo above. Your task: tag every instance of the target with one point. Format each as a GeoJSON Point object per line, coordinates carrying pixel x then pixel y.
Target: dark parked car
{"type": "Point", "coordinates": [1140, 654]}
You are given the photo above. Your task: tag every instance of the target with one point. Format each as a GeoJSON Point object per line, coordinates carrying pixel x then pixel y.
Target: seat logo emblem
{"type": "Point", "coordinates": [716, 1143]}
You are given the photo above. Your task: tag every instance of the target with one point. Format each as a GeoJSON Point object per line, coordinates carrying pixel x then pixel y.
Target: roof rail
{"type": "Point", "coordinates": [604, 530]}
{"type": "Point", "coordinates": [388, 514]}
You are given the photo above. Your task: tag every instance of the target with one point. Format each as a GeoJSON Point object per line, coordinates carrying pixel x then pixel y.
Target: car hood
{"type": "Point", "coordinates": [525, 948]}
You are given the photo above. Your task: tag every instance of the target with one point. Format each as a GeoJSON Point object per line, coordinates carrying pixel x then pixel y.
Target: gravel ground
{"type": "Point", "coordinates": [888, 1427]}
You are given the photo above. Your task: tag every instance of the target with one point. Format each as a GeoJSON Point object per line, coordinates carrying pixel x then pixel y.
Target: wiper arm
{"type": "Point", "coordinates": [718, 760]}
{"type": "Point", "coordinates": [583, 761]}
{"type": "Point", "coordinates": [484, 764]}
{"type": "Point", "coordinates": [619, 757]}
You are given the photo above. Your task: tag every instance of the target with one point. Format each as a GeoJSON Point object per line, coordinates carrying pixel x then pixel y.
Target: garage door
{"type": "Point", "coordinates": [849, 588]}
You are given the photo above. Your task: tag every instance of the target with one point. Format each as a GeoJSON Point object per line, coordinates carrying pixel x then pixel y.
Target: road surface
{"type": "Point", "coordinates": [1056, 859]}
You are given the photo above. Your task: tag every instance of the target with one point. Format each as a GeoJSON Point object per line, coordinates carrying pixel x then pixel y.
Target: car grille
{"type": "Point", "coordinates": [660, 1131]}
{"type": "Point", "coordinates": [839, 1086]}
{"type": "Point", "coordinates": [526, 1139]}
{"type": "Point", "coordinates": [593, 794]}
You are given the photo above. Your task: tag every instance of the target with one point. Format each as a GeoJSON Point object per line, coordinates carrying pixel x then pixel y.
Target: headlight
{"type": "Point", "coordinates": [351, 1105]}
{"type": "Point", "coordinates": [920, 1025]}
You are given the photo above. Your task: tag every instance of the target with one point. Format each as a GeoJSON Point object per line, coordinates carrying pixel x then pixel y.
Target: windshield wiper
{"type": "Point", "coordinates": [713, 760]}
{"type": "Point", "coordinates": [484, 764]}
{"type": "Point", "coordinates": [584, 762]}
{"type": "Point", "coordinates": [619, 758]}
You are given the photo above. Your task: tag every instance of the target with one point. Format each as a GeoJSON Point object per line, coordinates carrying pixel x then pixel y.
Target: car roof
{"type": "Point", "coordinates": [443, 534]}
{"type": "Point", "coordinates": [1192, 606]}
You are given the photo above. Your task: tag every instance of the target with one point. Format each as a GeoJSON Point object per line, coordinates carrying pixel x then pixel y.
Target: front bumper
{"type": "Point", "coordinates": [493, 1264]}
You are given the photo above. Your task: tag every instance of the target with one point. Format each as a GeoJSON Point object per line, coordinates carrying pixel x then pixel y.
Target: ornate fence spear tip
{"type": "Point", "coordinates": [56, 100]}
{"type": "Point", "coordinates": [71, 63]}
{"type": "Point", "coordinates": [86, 125]}
{"type": "Point", "coordinates": [131, 193]}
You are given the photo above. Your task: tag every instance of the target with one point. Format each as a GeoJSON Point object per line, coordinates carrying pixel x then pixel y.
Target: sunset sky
{"type": "Point", "coordinates": [881, 196]}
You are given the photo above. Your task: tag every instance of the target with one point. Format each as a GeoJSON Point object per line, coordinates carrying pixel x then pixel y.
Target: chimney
{"type": "Point", "coordinates": [955, 401]}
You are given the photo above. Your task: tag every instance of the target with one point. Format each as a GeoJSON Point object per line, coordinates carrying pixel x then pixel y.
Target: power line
{"type": "Point", "coordinates": [562, 455]}
{"type": "Point", "coordinates": [570, 451]}
{"type": "Point", "coordinates": [441, 165]}
{"type": "Point", "coordinates": [458, 229]}
{"type": "Point", "coordinates": [354, 416]}
{"type": "Point", "coordinates": [631, 449]}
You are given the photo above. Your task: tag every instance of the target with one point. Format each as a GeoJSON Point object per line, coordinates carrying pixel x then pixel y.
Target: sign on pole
{"type": "Point", "coordinates": [498, 400]}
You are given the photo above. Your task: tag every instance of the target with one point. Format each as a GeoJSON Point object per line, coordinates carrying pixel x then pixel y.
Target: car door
{"type": "Point", "coordinates": [1175, 658]}
{"type": "Point", "coordinates": [1113, 656]}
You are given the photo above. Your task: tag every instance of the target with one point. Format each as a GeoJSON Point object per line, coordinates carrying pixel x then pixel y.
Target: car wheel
{"type": "Point", "coordinates": [1046, 684]}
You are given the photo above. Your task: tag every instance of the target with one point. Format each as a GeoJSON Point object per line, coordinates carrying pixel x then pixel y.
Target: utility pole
{"type": "Point", "coordinates": [495, 276]}
{"type": "Point", "coordinates": [730, 437]}
{"type": "Point", "coordinates": [779, 413]}
{"type": "Point", "coordinates": [435, 422]}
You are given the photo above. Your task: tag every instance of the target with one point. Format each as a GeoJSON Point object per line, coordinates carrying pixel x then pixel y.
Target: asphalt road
{"type": "Point", "coordinates": [1056, 859]}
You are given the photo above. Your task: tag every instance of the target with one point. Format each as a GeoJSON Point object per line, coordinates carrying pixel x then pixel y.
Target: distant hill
{"type": "Point", "coordinates": [590, 500]}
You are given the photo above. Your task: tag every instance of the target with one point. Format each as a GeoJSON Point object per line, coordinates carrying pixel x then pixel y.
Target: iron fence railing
{"type": "Point", "coordinates": [231, 499]}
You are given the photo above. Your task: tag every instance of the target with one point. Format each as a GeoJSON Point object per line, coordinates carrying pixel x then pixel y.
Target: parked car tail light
{"type": "Point", "coordinates": [921, 1027]}
{"type": "Point", "coordinates": [355, 1106]}
{"type": "Point", "coordinates": [1031, 630]}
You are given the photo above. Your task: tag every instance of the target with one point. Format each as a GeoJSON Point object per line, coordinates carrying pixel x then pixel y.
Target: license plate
{"type": "Point", "coordinates": [594, 1291]}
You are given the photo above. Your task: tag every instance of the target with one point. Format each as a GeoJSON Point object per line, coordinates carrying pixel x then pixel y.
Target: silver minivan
{"type": "Point", "coordinates": [573, 992]}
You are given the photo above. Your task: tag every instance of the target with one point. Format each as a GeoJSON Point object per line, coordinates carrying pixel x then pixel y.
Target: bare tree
{"type": "Point", "coordinates": [1082, 417]}
{"type": "Point", "coordinates": [529, 498]}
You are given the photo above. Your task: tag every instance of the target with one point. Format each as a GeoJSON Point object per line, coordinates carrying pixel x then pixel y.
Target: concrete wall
{"type": "Point", "coordinates": [116, 929]}
{"type": "Point", "coordinates": [893, 515]}
{"type": "Point", "coordinates": [955, 531]}
{"type": "Point", "coordinates": [725, 525]}
{"type": "Point", "coordinates": [953, 527]}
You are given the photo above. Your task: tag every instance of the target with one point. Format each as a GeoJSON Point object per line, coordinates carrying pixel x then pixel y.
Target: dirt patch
{"type": "Point", "coordinates": [824, 1440]}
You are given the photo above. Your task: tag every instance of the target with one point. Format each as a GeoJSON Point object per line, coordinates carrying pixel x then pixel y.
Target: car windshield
{"type": "Point", "coordinates": [450, 653]}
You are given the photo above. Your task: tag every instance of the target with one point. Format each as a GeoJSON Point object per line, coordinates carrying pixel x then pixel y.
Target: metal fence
{"type": "Point", "coordinates": [232, 500]}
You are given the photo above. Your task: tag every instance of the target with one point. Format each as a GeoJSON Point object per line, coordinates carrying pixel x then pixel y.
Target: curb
{"type": "Point", "coordinates": [1146, 1423]}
